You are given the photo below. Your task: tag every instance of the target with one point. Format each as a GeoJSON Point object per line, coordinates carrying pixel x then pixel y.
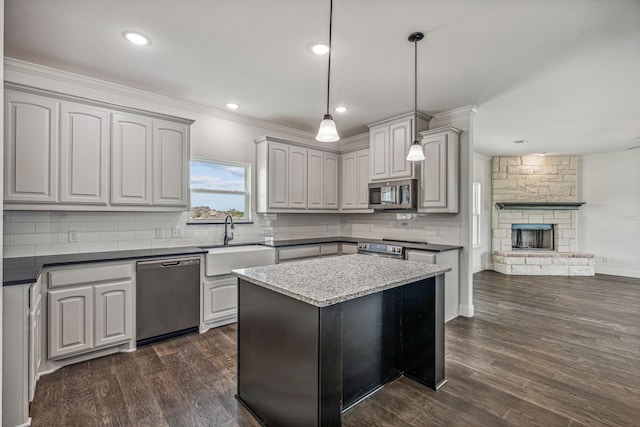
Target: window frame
{"type": "Point", "coordinates": [247, 193]}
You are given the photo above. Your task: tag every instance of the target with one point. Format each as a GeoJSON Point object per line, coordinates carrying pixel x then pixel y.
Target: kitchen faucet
{"type": "Point", "coordinates": [226, 236]}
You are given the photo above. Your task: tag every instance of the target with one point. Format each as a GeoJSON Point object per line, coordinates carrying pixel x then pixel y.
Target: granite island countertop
{"type": "Point", "coordinates": [327, 281]}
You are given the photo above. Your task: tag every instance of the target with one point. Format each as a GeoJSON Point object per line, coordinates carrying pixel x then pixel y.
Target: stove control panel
{"type": "Point", "coordinates": [380, 248]}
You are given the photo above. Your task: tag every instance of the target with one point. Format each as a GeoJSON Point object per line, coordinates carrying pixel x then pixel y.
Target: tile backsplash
{"type": "Point", "coordinates": [29, 233]}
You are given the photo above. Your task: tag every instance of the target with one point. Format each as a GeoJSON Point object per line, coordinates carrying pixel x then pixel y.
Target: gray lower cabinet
{"type": "Point", "coordinates": [89, 308]}
{"type": "Point", "coordinates": [219, 301]}
{"type": "Point", "coordinates": [15, 359]}
{"type": "Point", "coordinates": [451, 278]}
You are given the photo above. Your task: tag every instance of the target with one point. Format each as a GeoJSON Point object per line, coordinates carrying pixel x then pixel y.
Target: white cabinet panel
{"type": "Point", "coordinates": [355, 180]}
{"type": "Point", "coordinates": [35, 338]}
{"type": "Point", "coordinates": [170, 163]}
{"type": "Point", "coordinates": [131, 161]}
{"type": "Point", "coordinates": [389, 142]}
{"type": "Point", "coordinates": [331, 165]}
{"type": "Point", "coordinates": [362, 179]}
{"type": "Point", "coordinates": [84, 154]}
{"type": "Point", "coordinates": [220, 300]}
{"type": "Point", "coordinates": [297, 177]}
{"type": "Point", "coordinates": [349, 187]}
{"type": "Point", "coordinates": [31, 148]}
{"type": "Point", "coordinates": [379, 146]}
{"type": "Point", "coordinates": [399, 143]}
{"type": "Point", "coordinates": [439, 182]}
{"type": "Point", "coordinates": [15, 399]}
{"type": "Point", "coordinates": [70, 321]}
{"type": "Point", "coordinates": [316, 179]}
{"type": "Point", "coordinates": [278, 175]}
{"type": "Point", "coordinates": [113, 313]}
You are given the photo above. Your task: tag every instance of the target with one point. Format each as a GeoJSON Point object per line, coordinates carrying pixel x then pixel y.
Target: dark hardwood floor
{"type": "Point", "coordinates": [546, 351]}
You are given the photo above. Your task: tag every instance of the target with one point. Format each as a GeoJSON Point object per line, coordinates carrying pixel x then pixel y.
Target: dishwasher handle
{"type": "Point", "coordinates": [167, 263]}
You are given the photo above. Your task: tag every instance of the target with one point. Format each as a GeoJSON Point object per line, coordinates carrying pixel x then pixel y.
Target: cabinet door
{"type": "Point", "coordinates": [31, 148]}
{"type": "Point", "coordinates": [316, 179]}
{"type": "Point", "coordinates": [399, 144]}
{"type": "Point", "coordinates": [379, 145]}
{"type": "Point", "coordinates": [278, 175]}
{"type": "Point", "coordinates": [170, 164]}
{"type": "Point", "coordinates": [220, 300]}
{"type": "Point", "coordinates": [362, 179]}
{"type": "Point", "coordinates": [35, 353]}
{"type": "Point", "coordinates": [131, 160]}
{"type": "Point", "coordinates": [331, 181]}
{"type": "Point", "coordinates": [297, 177]}
{"type": "Point", "coordinates": [113, 312]}
{"type": "Point", "coordinates": [70, 321]}
{"type": "Point", "coordinates": [84, 152]}
{"type": "Point", "coordinates": [349, 184]}
{"type": "Point", "coordinates": [440, 181]}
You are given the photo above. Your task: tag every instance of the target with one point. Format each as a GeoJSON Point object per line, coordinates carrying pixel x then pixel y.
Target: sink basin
{"type": "Point", "coordinates": [223, 260]}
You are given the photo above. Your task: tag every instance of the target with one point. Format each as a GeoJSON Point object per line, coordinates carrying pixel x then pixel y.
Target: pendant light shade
{"type": "Point", "coordinates": [415, 152]}
{"type": "Point", "coordinates": [328, 131]}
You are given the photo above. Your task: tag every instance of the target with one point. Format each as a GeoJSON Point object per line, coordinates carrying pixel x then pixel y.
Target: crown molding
{"type": "Point", "coordinates": [12, 65]}
{"type": "Point", "coordinates": [467, 110]}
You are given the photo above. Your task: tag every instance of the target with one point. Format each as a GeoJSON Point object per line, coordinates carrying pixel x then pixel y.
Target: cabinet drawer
{"type": "Point", "coordinates": [298, 252]}
{"type": "Point", "coordinates": [78, 276]}
{"type": "Point", "coordinates": [421, 256]}
{"type": "Point", "coordinates": [329, 249]}
{"type": "Point", "coordinates": [349, 248]}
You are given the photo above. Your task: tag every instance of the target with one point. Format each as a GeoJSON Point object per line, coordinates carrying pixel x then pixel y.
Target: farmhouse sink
{"type": "Point", "coordinates": [223, 260]}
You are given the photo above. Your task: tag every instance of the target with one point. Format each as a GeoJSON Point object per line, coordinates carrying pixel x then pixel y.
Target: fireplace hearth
{"type": "Point", "coordinates": [539, 237]}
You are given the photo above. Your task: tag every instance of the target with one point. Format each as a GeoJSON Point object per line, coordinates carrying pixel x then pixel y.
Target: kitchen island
{"type": "Point", "coordinates": [317, 337]}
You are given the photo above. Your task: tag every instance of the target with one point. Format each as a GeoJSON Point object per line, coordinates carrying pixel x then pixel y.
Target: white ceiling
{"type": "Point", "coordinates": [564, 75]}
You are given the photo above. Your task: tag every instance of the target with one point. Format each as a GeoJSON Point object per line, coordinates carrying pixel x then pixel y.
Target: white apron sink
{"type": "Point", "coordinates": [224, 259]}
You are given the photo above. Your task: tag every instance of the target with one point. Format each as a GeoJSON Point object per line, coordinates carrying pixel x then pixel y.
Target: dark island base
{"type": "Point", "coordinates": [302, 365]}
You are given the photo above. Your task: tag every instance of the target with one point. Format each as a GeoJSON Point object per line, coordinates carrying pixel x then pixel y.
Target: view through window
{"type": "Point", "coordinates": [218, 189]}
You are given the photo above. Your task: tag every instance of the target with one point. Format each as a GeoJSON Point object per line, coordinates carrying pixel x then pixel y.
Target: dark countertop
{"type": "Point", "coordinates": [408, 245]}
{"type": "Point", "coordinates": [17, 271]}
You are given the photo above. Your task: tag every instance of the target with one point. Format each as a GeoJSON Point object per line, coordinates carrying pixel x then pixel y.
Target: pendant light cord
{"type": "Point", "coordinates": [329, 68]}
{"type": "Point", "coordinates": [415, 89]}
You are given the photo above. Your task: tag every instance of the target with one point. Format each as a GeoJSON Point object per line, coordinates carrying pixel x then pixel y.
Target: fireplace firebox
{"type": "Point", "coordinates": [532, 237]}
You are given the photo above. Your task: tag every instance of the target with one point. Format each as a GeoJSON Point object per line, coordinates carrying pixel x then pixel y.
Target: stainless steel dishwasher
{"type": "Point", "coordinates": [167, 298]}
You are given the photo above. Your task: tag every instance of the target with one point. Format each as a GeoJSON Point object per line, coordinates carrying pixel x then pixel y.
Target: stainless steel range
{"type": "Point", "coordinates": [381, 249]}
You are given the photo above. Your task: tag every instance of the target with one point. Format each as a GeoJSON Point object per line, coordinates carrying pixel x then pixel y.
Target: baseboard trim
{"type": "Point", "coordinates": [617, 272]}
{"type": "Point", "coordinates": [466, 310]}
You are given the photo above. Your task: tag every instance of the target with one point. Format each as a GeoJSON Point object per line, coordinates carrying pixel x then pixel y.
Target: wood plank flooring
{"type": "Point", "coordinates": [540, 351]}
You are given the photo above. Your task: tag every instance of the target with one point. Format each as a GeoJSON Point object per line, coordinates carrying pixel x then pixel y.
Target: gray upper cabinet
{"type": "Point", "coordinates": [292, 178]}
{"type": "Point", "coordinates": [84, 154]}
{"type": "Point", "coordinates": [389, 143]}
{"type": "Point", "coordinates": [131, 160]}
{"type": "Point", "coordinates": [31, 148]}
{"type": "Point", "coordinates": [355, 181]}
{"type": "Point", "coordinates": [63, 153]}
{"type": "Point", "coordinates": [439, 182]}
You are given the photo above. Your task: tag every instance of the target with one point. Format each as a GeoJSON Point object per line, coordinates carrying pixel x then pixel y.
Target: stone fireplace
{"type": "Point", "coordinates": [534, 224]}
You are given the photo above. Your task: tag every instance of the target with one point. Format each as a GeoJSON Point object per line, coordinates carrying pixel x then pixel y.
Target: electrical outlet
{"type": "Point", "coordinates": [73, 236]}
{"type": "Point", "coordinates": [605, 259]}
{"type": "Point", "coordinates": [176, 232]}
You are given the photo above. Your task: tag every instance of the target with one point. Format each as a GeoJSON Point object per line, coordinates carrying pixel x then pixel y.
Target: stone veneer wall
{"type": "Point", "coordinates": [534, 179]}
{"type": "Point", "coordinates": [537, 179]}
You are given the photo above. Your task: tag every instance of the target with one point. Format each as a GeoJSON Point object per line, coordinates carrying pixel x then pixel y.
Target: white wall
{"type": "Point", "coordinates": [609, 222]}
{"type": "Point", "coordinates": [482, 174]}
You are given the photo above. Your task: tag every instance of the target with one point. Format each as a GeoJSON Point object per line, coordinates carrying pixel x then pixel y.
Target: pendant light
{"type": "Point", "coordinates": [328, 131]}
{"type": "Point", "coordinates": [415, 152]}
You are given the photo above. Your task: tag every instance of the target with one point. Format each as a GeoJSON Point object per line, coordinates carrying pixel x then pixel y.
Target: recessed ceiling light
{"type": "Point", "coordinates": [137, 38]}
{"type": "Point", "coordinates": [233, 105]}
{"type": "Point", "coordinates": [520, 141]}
{"type": "Point", "coordinates": [319, 48]}
{"type": "Point", "coordinates": [341, 109]}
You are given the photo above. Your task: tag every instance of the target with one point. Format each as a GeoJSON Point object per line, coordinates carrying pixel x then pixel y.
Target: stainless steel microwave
{"type": "Point", "coordinates": [393, 195]}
